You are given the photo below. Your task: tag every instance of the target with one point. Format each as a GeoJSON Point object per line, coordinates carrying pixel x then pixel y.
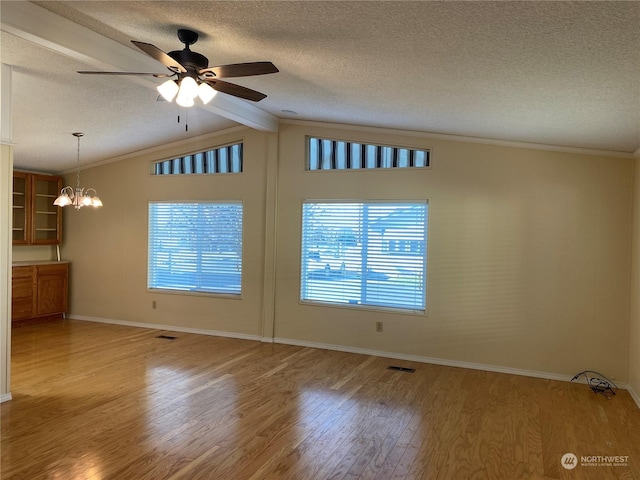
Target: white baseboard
{"type": "Point", "coordinates": [342, 348]}
{"type": "Point", "coordinates": [171, 328]}
{"type": "Point", "coordinates": [5, 397]}
{"type": "Point", "coordinates": [633, 394]}
{"type": "Point", "coordinates": [435, 361]}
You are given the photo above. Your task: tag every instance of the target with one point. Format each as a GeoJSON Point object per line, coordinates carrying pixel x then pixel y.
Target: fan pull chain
{"type": "Point", "coordinates": [186, 120]}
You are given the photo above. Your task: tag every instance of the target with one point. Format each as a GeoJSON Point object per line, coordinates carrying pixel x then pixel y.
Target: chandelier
{"type": "Point", "coordinates": [80, 197]}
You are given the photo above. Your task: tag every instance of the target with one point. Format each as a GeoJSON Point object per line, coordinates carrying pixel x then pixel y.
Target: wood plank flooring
{"type": "Point", "coordinates": [94, 401]}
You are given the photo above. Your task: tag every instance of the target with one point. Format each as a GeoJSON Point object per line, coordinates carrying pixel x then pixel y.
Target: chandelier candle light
{"type": "Point", "coordinates": [80, 197]}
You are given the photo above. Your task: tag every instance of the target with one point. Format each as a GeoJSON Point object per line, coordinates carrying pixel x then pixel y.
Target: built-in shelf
{"type": "Point", "coordinates": [36, 219]}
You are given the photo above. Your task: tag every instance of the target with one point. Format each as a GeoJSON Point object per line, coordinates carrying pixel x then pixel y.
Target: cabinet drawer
{"type": "Point", "coordinates": [20, 272]}
{"type": "Point", "coordinates": [52, 269]}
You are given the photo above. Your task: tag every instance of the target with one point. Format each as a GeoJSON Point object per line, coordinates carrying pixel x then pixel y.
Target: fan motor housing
{"type": "Point", "coordinates": [189, 59]}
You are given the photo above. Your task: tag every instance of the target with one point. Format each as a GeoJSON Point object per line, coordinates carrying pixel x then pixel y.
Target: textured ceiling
{"type": "Point", "coordinates": [554, 73]}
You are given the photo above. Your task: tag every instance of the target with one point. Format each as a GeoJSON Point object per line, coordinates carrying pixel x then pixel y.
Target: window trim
{"type": "Point", "coordinates": [364, 307]}
{"type": "Point", "coordinates": [170, 291]}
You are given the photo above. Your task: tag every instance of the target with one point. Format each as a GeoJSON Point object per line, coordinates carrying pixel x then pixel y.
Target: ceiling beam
{"type": "Point", "coordinates": [42, 27]}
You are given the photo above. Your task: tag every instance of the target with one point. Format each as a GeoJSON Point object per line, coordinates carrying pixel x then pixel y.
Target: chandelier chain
{"type": "Point", "coordinates": [78, 135]}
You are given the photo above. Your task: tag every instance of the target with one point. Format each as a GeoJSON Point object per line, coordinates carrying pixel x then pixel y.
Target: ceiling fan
{"type": "Point", "coordinates": [191, 75]}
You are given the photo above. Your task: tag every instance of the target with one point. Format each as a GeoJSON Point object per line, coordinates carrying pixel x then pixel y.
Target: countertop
{"type": "Point", "coordinates": [28, 263]}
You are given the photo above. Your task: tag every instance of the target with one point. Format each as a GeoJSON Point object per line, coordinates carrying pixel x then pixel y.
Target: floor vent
{"type": "Point", "coordinates": [401, 369]}
{"type": "Point", "coordinates": [166, 337]}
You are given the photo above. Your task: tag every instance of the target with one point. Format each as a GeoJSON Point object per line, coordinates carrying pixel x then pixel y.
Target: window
{"type": "Point", "coordinates": [325, 154]}
{"type": "Point", "coordinates": [195, 247]}
{"type": "Point", "coordinates": [370, 253]}
{"type": "Point", "coordinates": [226, 159]}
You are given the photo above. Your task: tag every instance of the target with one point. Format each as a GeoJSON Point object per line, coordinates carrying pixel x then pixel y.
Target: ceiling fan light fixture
{"type": "Point", "coordinates": [188, 91]}
{"type": "Point", "coordinates": [184, 101]}
{"type": "Point", "coordinates": [206, 93]}
{"type": "Point", "coordinates": [168, 90]}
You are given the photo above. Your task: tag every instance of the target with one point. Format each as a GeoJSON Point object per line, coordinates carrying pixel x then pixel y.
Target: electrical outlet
{"type": "Point", "coordinates": [379, 327]}
{"type": "Point", "coordinates": [153, 304]}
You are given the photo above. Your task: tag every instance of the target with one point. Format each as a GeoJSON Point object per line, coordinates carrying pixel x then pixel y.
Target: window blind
{"type": "Point", "coordinates": [369, 253]}
{"type": "Point", "coordinates": [227, 159]}
{"type": "Point", "coordinates": [326, 154]}
{"type": "Point", "coordinates": [195, 247]}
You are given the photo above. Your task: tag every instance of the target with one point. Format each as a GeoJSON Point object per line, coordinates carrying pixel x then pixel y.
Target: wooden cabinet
{"type": "Point", "coordinates": [52, 286]}
{"type": "Point", "coordinates": [39, 291]}
{"type": "Point", "coordinates": [36, 220]}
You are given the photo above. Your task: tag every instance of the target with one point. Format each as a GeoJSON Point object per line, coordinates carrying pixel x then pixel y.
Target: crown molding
{"type": "Point", "coordinates": [159, 148]}
{"type": "Point", "coordinates": [466, 139]}
{"type": "Point", "coordinates": [362, 128]}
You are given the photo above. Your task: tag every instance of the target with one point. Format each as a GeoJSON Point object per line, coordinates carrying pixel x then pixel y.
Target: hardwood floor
{"type": "Point", "coordinates": [95, 401]}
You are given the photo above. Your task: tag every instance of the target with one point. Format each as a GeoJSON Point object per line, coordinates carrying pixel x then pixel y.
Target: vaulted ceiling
{"type": "Point", "coordinates": [552, 73]}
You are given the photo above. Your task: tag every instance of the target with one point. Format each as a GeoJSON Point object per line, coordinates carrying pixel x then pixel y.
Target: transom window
{"type": "Point", "coordinates": [365, 253]}
{"type": "Point", "coordinates": [195, 247]}
{"type": "Point", "coordinates": [326, 154]}
{"type": "Point", "coordinates": [225, 159]}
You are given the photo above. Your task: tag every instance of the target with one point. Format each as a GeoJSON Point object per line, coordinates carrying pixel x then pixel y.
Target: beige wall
{"type": "Point", "coordinates": [529, 251]}
{"type": "Point", "coordinates": [23, 253]}
{"type": "Point", "coordinates": [528, 255]}
{"type": "Point", "coordinates": [6, 187]}
{"type": "Point", "coordinates": [107, 247]}
{"type": "Point", "coordinates": [634, 325]}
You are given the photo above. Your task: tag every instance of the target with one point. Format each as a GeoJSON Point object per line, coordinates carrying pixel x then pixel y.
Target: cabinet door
{"type": "Point", "coordinates": [22, 293]}
{"type": "Point", "coordinates": [52, 289]}
{"type": "Point", "coordinates": [46, 218]}
{"type": "Point", "coordinates": [21, 205]}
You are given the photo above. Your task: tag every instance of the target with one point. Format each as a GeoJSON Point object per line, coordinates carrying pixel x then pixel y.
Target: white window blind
{"type": "Point", "coordinates": [369, 253]}
{"type": "Point", "coordinates": [225, 159]}
{"type": "Point", "coordinates": [327, 154]}
{"type": "Point", "coordinates": [195, 247]}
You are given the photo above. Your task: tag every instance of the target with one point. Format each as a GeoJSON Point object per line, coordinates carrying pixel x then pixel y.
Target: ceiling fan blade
{"type": "Point", "coordinates": [240, 70]}
{"type": "Point", "coordinates": [158, 75]}
{"type": "Point", "coordinates": [235, 90]}
{"type": "Point", "coordinates": [160, 56]}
